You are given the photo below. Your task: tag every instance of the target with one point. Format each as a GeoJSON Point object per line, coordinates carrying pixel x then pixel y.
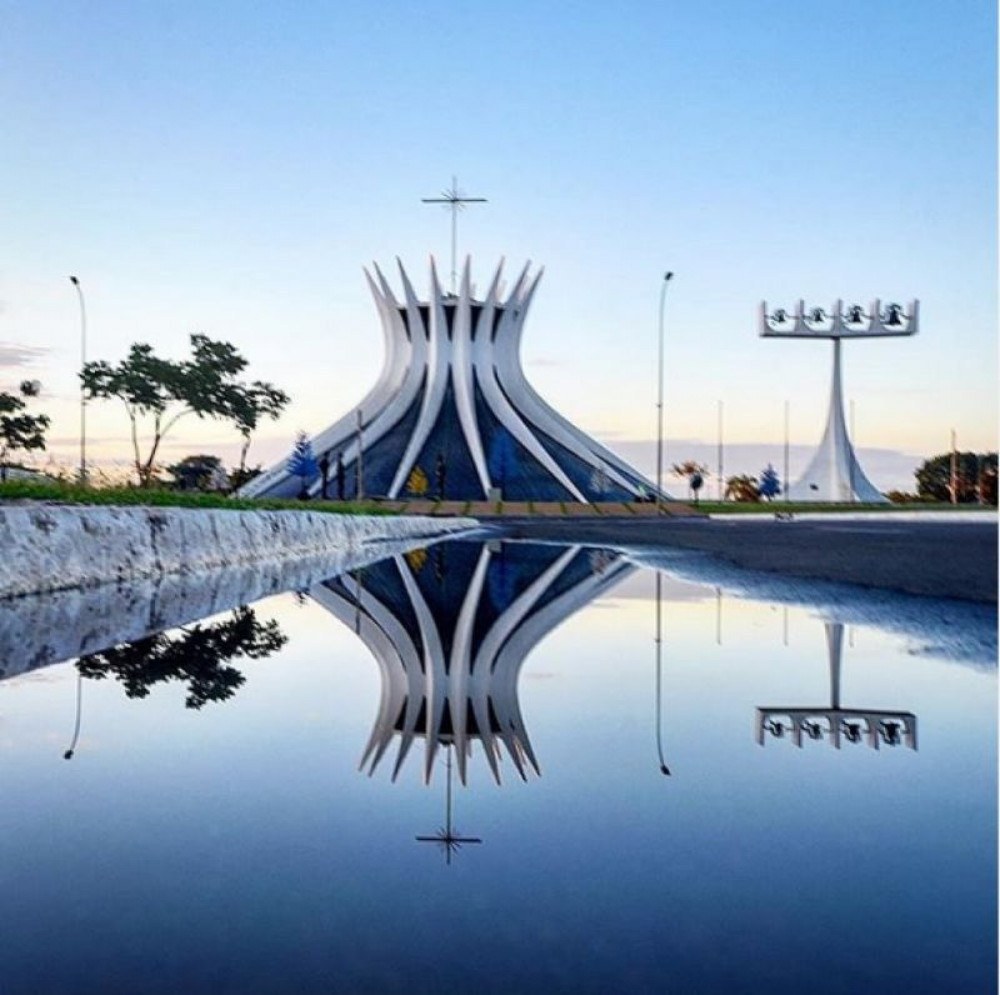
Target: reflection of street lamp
{"type": "Point", "coordinates": [667, 277]}
{"type": "Point", "coordinates": [68, 755]}
{"type": "Point", "coordinates": [83, 394]}
{"type": "Point", "coordinates": [664, 769]}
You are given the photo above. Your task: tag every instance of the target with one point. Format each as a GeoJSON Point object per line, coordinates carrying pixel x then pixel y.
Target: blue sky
{"type": "Point", "coordinates": [229, 168]}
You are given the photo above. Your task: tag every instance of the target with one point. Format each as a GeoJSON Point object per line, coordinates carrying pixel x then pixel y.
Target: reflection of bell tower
{"type": "Point", "coordinates": [835, 722]}
{"type": "Point", "coordinates": [450, 628]}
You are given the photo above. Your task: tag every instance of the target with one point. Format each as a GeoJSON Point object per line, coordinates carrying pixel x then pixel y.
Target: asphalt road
{"type": "Point", "coordinates": [937, 559]}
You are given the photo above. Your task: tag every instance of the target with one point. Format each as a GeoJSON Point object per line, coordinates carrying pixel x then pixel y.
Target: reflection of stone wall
{"type": "Point", "coordinates": [40, 629]}
{"type": "Point", "coordinates": [51, 548]}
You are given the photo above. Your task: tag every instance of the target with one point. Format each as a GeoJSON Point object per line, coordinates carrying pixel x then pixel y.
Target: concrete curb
{"type": "Point", "coordinates": [56, 547]}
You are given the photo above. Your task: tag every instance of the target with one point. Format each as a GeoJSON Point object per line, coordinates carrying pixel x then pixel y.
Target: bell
{"type": "Point", "coordinates": [893, 315]}
{"type": "Point", "coordinates": [780, 316]}
{"type": "Point", "coordinates": [855, 314]}
{"type": "Point", "coordinates": [890, 733]}
{"type": "Point", "coordinates": [817, 314]}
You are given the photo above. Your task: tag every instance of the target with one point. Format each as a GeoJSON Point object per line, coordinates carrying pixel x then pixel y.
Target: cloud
{"type": "Point", "coordinates": [12, 354]}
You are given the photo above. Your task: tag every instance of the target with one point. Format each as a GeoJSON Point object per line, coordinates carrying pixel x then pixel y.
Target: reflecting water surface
{"type": "Point", "coordinates": [506, 767]}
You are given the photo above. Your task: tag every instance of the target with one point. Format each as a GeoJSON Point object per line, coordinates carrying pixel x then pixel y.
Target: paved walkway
{"type": "Point", "coordinates": [939, 559]}
{"type": "Point", "coordinates": [542, 509]}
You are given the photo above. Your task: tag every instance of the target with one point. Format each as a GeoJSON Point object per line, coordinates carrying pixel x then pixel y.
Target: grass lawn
{"type": "Point", "coordinates": [803, 507]}
{"type": "Point", "coordinates": [23, 490]}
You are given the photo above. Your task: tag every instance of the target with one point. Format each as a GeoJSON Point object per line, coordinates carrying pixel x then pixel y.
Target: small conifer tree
{"type": "Point", "coordinates": [302, 463]}
{"type": "Point", "coordinates": [769, 485]}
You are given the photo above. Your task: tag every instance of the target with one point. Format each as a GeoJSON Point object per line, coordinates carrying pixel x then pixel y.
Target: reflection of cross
{"type": "Point", "coordinates": [456, 202]}
{"type": "Point", "coordinates": [449, 840]}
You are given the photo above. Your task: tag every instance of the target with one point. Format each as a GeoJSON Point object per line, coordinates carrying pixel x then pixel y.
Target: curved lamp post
{"type": "Point", "coordinates": [68, 755]}
{"type": "Point", "coordinates": [667, 277]}
{"type": "Point", "coordinates": [83, 394]}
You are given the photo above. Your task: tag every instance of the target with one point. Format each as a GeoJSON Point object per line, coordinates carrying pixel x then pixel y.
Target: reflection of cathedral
{"type": "Point", "coordinates": [450, 627]}
{"type": "Point", "coordinates": [834, 722]}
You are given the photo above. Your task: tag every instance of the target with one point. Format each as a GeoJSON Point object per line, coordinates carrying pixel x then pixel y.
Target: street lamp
{"type": "Point", "coordinates": [667, 277]}
{"type": "Point", "coordinates": [83, 395]}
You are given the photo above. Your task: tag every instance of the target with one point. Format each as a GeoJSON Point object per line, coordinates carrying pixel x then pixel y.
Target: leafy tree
{"type": "Point", "coordinates": [975, 473]}
{"type": "Point", "coordinates": [19, 430]}
{"type": "Point", "coordinates": [199, 473]}
{"type": "Point", "coordinates": [302, 463]}
{"type": "Point", "coordinates": [770, 485]}
{"type": "Point", "coordinates": [198, 656]}
{"type": "Point", "coordinates": [694, 472]}
{"type": "Point", "coordinates": [742, 488]}
{"type": "Point", "coordinates": [248, 405]}
{"type": "Point", "coordinates": [162, 391]}
{"type": "Point", "coordinates": [240, 477]}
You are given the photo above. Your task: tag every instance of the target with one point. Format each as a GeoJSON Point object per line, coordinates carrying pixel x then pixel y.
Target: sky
{"type": "Point", "coordinates": [229, 168]}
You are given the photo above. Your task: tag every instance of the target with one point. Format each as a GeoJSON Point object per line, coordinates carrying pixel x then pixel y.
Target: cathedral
{"type": "Point", "coordinates": [452, 415]}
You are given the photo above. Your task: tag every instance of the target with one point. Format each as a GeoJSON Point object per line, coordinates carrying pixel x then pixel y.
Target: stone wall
{"type": "Point", "coordinates": [57, 547]}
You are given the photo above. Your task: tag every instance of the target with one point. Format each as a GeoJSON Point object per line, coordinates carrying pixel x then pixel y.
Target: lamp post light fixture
{"type": "Point", "coordinates": [667, 277]}
{"type": "Point", "coordinates": [83, 393]}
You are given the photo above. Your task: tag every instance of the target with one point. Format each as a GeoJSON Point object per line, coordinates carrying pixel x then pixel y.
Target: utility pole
{"type": "Point", "coordinates": [667, 277]}
{"type": "Point", "coordinates": [953, 477]}
{"type": "Point", "coordinates": [719, 450]}
{"type": "Point", "coordinates": [360, 487]}
{"type": "Point", "coordinates": [83, 392]}
{"type": "Point", "coordinates": [785, 481]}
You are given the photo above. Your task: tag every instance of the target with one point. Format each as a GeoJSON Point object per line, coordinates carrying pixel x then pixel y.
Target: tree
{"type": "Point", "coordinates": [240, 477]}
{"type": "Point", "coordinates": [302, 463]}
{"type": "Point", "coordinates": [199, 473]}
{"type": "Point", "coordinates": [19, 430]}
{"type": "Point", "coordinates": [976, 474]}
{"type": "Point", "coordinates": [164, 391]}
{"type": "Point", "coordinates": [742, 488]}
{"type": "Point", "coordinates": [694, 472]}
{"type": "Point", "coordinates": [248, 405]}
{"type": "Point", "coordinates": [769, 486]}
{"type": "Point", "coordinates": [197, 656]}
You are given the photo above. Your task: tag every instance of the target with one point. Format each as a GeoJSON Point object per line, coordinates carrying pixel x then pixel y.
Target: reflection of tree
{"type": "Point", "coordinates": [197, 656]}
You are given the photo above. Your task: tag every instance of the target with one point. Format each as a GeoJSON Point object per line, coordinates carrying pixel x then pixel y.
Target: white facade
{"type": "Point", "coordinates": [452, 414]}
{"type": "Point", "coordinates": [834, 473]}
